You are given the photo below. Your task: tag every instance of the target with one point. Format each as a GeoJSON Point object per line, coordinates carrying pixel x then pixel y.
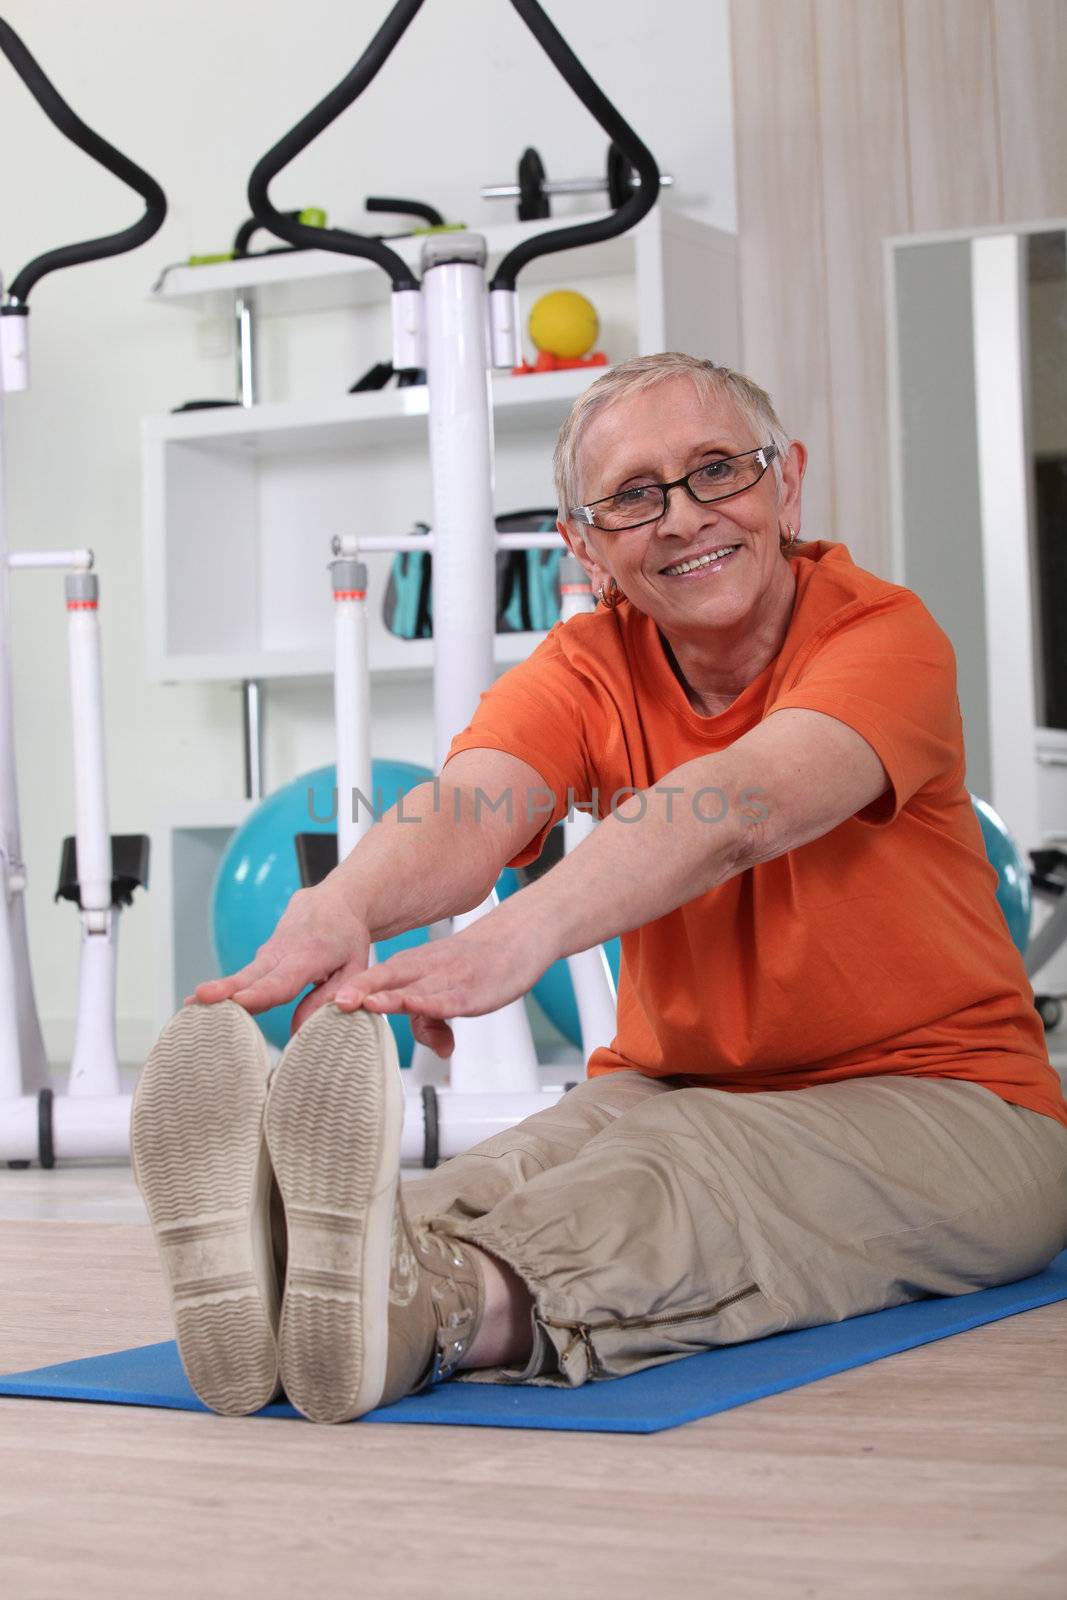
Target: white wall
{"type": "Point", "coordinates": [196, 91]}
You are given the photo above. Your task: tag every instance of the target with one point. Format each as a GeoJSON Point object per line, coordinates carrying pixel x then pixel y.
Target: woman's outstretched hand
{"type": "Point", "coordinates": [494, 960]}
{"type": "Point", "coordinates": [322, 939]}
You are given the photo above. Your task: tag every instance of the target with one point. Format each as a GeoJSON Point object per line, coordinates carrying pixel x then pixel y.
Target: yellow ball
{"type": "Point", "coordinates": [564, 323]}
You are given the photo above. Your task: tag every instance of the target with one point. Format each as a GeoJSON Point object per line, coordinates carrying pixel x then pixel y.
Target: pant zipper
{"type": "Point", "coordinates": [580, 1331]}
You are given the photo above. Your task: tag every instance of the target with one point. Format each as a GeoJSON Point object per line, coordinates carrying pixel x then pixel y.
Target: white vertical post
{"type": "Point", "coordinates": [1000, 370]}
{"type": "Point", "coordinates": [90, 771]}
{"type": "Point", "coordinates": [496, 1051]}
{"type": "Point", "coordinates": [351, 701]}
{"type": "Point", "coordinates": [594, 986]}
{"type": "Point", "coordinates": [94, 1065]}
{"type": "Point", "coordinates": [461, 456]}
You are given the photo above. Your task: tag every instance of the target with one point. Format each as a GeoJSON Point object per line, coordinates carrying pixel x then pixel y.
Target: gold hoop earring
{"type": "Point", "coordinates": [790, 540]}
{"type": "Point", "coordinates": [609, 597]}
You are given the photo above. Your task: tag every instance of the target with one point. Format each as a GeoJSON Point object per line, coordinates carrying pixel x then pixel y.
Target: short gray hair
{"type": "Point", "coordinates": [643, 372]}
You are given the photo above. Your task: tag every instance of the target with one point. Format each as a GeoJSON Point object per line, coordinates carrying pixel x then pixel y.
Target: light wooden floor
{"type": "Point", "coordinates": [941, 1472]}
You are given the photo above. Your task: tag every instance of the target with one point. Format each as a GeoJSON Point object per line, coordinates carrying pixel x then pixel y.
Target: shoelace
{"type": "Point", "coordinates": [454, 1327]}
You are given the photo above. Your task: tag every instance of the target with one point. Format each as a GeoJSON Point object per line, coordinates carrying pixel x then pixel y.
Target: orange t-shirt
{"type": "Point", "coordinates": [878, 948]}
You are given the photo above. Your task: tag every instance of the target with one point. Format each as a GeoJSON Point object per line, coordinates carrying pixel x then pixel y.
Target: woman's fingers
{"type": "Point", "coordinates": [435, 1034]}
{"type": "Point", "coordinates": [280, 984]}
{"type": "Point", "coordinates": [326, 991]}
{"type": "Point", "coordinates": [216, 989]}
{"type": "Point", "coordinates": [431, 995]}
{"type": "Point", "coordinates": [387, 974]}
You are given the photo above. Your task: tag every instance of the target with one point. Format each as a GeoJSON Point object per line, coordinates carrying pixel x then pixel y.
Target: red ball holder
{"type": "Point", "coordinates": [550, 363]}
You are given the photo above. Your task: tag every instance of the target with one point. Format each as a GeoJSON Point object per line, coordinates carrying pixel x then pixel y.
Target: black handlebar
{"type": "Point", "coordinates": [366, 68]}
{"type": "Point", "coordinates": [70, 124]}
{"type": "Point", "coordinates": [597, 103]}
{"type": "Point", "coordinates": [307, 129]}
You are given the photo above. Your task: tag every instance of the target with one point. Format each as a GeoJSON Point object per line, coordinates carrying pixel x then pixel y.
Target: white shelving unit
{"type": "Point", "coordinates": [241, 504]}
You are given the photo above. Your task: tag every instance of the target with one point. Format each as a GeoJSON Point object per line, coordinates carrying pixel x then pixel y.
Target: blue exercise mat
{"type": "Point", "coordinates": [662, 1397]}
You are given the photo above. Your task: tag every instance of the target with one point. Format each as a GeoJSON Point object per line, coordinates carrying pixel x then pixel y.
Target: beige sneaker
{"type": "Point", "coordinates": [201, 1163]}
{"type": "Point", "coordinates": [372, 1308]}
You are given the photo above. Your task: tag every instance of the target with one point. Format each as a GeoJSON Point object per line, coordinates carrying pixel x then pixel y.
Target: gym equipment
{"type": "Point", "coordinates": [472, 1114]}
{"type": "Point", "coordinates": [382, 373]}
{"type": "Point", "coordinates": [314, 216]}
{"type": "Point", "coordinates": [260, 872]}
{"type": "Point", "coordinates": [448, 324]}
{"type": "Point", "coordinates": [1013, 877]}
{"type": "Point", "coordinates": [534, 190]}
{"type": "Point", "coordinates": [98, 872]}
{"type": "Point", "coordinates": [661, 1397]}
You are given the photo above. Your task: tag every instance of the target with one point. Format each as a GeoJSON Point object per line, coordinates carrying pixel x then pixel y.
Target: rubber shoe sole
{"type": "Point", "coordinates": [334, 1120]}
{"type": "Point", "coordinates": [201, 1163]}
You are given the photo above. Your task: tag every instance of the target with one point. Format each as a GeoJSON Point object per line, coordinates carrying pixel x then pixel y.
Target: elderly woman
{"type": "Point", "coordinates": [829, 1091]}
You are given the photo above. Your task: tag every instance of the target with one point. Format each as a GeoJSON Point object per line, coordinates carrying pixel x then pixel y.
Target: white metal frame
{"type": "Point", "coordinates": [494, 1073]}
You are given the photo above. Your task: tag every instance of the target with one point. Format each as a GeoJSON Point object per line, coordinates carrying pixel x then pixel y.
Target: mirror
{"type": "Point", "coordinates": [978, 414]}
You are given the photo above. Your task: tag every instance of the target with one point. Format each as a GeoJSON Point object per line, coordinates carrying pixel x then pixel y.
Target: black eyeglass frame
{"type": "Point", "coordinates": [765, 452]}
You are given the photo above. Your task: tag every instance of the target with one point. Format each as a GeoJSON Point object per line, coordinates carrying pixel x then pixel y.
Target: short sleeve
{"type": "Point", "coordinates": [539, 711]}
{"type": "Point", "coordinates": [889, 672]}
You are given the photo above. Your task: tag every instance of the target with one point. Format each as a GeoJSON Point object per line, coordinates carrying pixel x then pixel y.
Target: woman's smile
{"type": "Point", "coordinates": [701, 564]}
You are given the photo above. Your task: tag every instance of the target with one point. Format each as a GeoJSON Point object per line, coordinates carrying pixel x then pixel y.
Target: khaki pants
{"type": "Point", "coordinates": [651, 1220]}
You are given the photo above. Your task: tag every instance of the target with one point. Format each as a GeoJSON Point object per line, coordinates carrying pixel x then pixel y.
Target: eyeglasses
{"type": "Point", "coordinates": [717, 480]}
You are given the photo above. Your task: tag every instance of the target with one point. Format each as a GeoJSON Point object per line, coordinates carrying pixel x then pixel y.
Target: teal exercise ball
{"type": "Point", "coordinates": [1013, 875]}
{"type": "Point", "coordinates": [259, 874]}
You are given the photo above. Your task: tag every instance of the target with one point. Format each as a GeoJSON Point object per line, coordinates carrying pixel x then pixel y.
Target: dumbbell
{"type": "Point", "coordinates": [534, 190]}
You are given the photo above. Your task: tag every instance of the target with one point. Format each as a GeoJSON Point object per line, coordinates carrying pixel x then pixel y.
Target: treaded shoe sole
{"type": "Point", "coordinates": [201, 1163]}
{"type": "Point", "coordinates": [335, 1115]}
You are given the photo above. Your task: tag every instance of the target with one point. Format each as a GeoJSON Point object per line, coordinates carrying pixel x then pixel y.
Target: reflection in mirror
{"type": "Point", "coordinates": [978, 414]}
{"type": "Point", "coordinates": [978, 372]}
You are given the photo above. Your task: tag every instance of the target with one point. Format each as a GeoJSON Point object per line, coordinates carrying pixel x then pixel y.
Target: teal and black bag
{"type": "Point", "coordinates": [527, 583]}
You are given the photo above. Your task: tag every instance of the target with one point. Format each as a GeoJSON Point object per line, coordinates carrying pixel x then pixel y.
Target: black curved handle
{"type": "Point", "coordinates": [307, 129]}
{"type": "Point", "coordinates": [70, 124]}
{"type": "Point", "coordinates": [399, 207]}
{"type": "Point", "coordinates": [619, 131]}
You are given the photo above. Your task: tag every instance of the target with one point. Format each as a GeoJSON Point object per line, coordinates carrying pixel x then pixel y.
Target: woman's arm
{"type": "Point", "coordinates": [791, 779]}
{"type": "Point", "coordinates": [794, 777]}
